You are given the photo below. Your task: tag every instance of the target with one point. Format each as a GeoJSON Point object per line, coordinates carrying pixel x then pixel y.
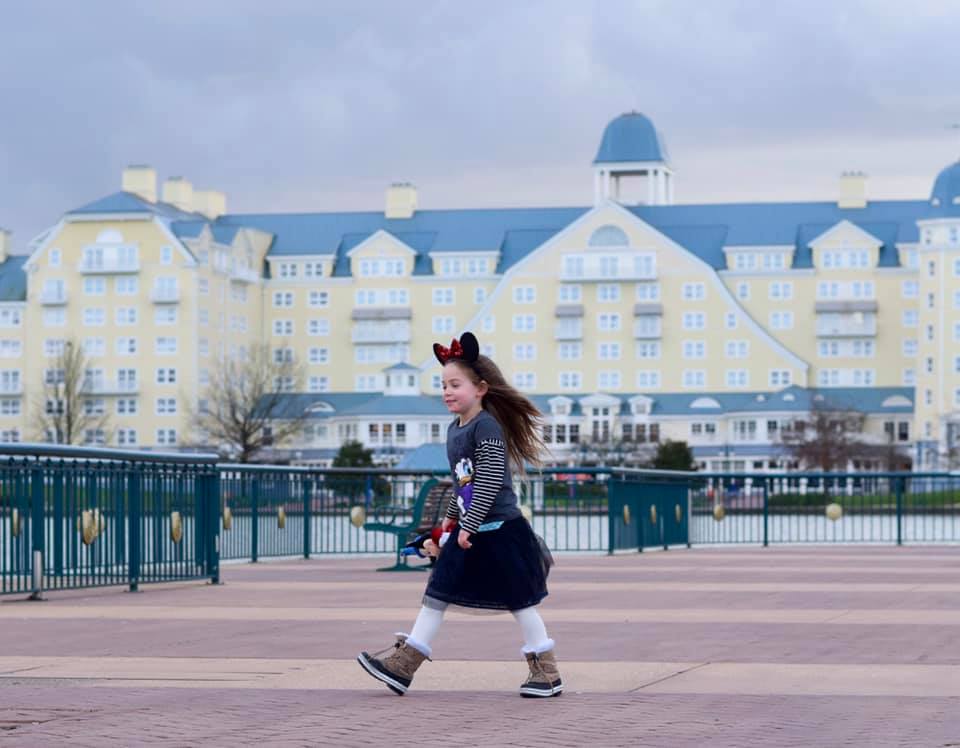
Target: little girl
{"type": "Point", "coordinates": [492, 559]}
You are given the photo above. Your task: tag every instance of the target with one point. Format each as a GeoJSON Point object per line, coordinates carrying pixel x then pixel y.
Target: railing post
{"type": "Point", "coordinates": [212, 499]}
{"type": "Point", "coordinates": [899, 490]}
{"type": "Point", "coordinates": [255, 516]}
{"type": "Point", "coordinates": [766, 512]}
{"type": "Point", "coordinates": [134, 525]}
{"type": "Point", "coordinates": [36, 530]}
{"type": "Point", "coordinates": [307, 519]}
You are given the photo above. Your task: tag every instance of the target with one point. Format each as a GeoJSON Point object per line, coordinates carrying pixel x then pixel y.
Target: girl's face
{"type": "Point", "coordinates": [460, 394]}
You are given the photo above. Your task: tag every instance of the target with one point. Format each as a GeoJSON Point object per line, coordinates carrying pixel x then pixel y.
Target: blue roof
{"type": "Point", "coordinates": [631, 137]}
{"type": "Point", "coordinates": [946, 187]}
{"type": "Point", "coordinates": [127, 202]}
{"type": "Point", "coordinates": [425, 457]}
{"type": "Point", "coordinates": [13, 280]}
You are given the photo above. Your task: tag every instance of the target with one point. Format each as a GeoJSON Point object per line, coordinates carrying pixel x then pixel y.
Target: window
{"type": "Point", "coordinates": [648, 292]}
{"type": "Point", "coordinates": [743, 290]}
{"type": "Point", "coordinates": [694, 320]}
{"type": "Point", "coordinates": [781, 320]}
{"type": "Point", "coordinates": [126, 315]}
{"type": "Point", "coordinates": [282, 355]}
{"type": "Point", "coordinates": [442, 325]}
{"type": "Point", "coordinates": [608, 322]}
{"type": "Point", "coordinates": [126, 286]}
{"type": "Point", "coordinates": [127, 407]}
{"type": "Point", "coordinates": [479, 295]}
{"type": "Point", "coordinates": [126, 346]}
{"type": "Point", "coordinates": [570, 380]}
{"type": "Point", "coordinates": [126, 437]}
{"type": "Point", "coordinates": [94, 436]}
{"type": "Point", "coordinates": [94, 347]}
{"type": "Point", "coordinates": [863, 377]}
{"type": "Point", "coordinates": [525, 352]}
{"type": "Point", "coordinates": [13, 317]}
{"type": "Point", "coordinates": [737, 378]}
{"type": "Point", "coordinates": [730, 320]}
{"type": "Point", "coordinates": [282, 299]}
{"type": "Point", "coordinates": [126, 379]}
{"type": "Point", "coordinates": [318, 355]}
{"type": "Point", "coordinates": [608, 380]}
{"type": "Point", "coordinates": [10, 407]}
{"type": "Point", "coordinates": [910, 318]}
{"type": "Point", "coordinates": [744, 261]}
{"type": "Point", "coordinates": [608, 292]}
{"type": "Point", "coordinates": [443, 297]}
{"type": "Point", "coordinates": [694, 378]}
{"type": "Point", "coordinates": [524, 380]}
{"type": "Point", "coordinates": [166, 345]}
{"type": "Point", "coordinates": [909, 377]}
{"type": "Point", "coordinates": [371, 268]}
{"type": "Point", "coordinates": [910, 289]}
{"type": "Point", "coordinates": [648, 378]}
{"type": "Point", "coordinates": [570, 351]}
{"type": "Point", "coordinates": [524, 323]}
{"type": "Point", "coordinates": [488, 323]}
{"type": "Point", "coordinates": [166, 255]}
{"type": "Point", "coordinates": [694, 349]}
{"type": "Point", "coordinates": [166, 376]}
{"type": "Point", "coordinates": [94, 286]}
{"type": "Point", "coordinates": [524, 295]}
{"type": "Point", "coordinates": [166, 437]}
{"type": "Point", "coordinates": [283, 327]}
{"type": "Point", "coordinates": [318, 299]}
{"type": "Point", "coordinates": [318, 384]}
{"type": "Point", "coordinates": [318, 327]}
{"type": "Point", "coordinates": [648, 350]}
{"type": "Point", "coordinates": [737, 348]}
{"type": "Point", "coordinates": [288, 270]}
{"type": "Point", "coordinates": [165, 315]}
{"type": "Point", "coordinates": [781, 290]}
{"type": "Point", "coordinates": [828, 377]}
{"type": "Point", "coordinates": [608, 351]}
{"type": "Point", "coordinates": [366, 383]}
{"type": "Point", "coordinates": [54, 257]}
{"type": "Point", "coordinates": [570, 293]}
{"type": "Point", "coordinates": [95, 407]}
{"type": "Point", "coordinates": [828, 349]}
{"type": "Point", "coordinates": [694, 291]}
{"type": "Point", "coordinates": [94, 316]}
{"type": "Point", "coordinates": [780, 378]}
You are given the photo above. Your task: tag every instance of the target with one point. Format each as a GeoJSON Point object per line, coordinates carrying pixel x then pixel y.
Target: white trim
{"type": "Point", "coordinates": [106, 217]}
{"type": "Point", "coordinates": [759, 248]}
{"type": "Point", "coordinates": [51, 234]}
{"type": "Point", "coordinates": [188, 255]}
{"type": "Point", "coordinates": [875, 243]}
{"type": "Point", "coordinates": [379, 234]}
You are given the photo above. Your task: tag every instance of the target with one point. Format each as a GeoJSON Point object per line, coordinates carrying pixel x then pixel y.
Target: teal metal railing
{"type": "Point", "coordinates": [73, 517]}
{"type": "Point", "coordinates": [77, 517]}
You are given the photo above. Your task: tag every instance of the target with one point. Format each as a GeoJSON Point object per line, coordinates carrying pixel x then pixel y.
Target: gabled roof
{"type": "Point", "coordinates": [127, 202]}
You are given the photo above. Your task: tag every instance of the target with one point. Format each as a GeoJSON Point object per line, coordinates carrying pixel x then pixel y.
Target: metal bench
{"type": "Point", "coordinates": [407, 523]}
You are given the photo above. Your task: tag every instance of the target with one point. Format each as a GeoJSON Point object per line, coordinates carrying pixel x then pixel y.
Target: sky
{"type": "Point", "coordinates": [291, 106]}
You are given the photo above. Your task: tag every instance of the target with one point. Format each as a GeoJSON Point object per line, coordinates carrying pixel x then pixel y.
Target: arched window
{"type": "Point", "coordinates": [109, 236]}
{"type": "Point", "coordinates": [609, 236]}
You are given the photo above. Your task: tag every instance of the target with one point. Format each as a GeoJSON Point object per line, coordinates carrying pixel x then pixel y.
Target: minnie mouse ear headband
{"type": "Point", "coordinates": [466, 349]}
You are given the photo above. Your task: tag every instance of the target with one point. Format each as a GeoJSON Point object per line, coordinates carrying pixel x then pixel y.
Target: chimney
{"type": "Point", "coordinates": [853, 190]}
{"type": "Point", "coordinates": [140, 180]}
{"type": "Point", "coordinates": [401, 200]}
{"type": "Point", "coordinates": [179, 192]}
{"type": "Point", "coordinates": [5, 244]}
{"type": "Point", "coordinates": [211, 203]}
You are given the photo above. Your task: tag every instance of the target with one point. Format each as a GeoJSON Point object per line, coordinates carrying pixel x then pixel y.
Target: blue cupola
{"type": "Point", "coordinates": [630, 148]}
{"type": "Point", "coordinates": [946, 188]}
{"type": "Point", "coordinates": [631, 137]}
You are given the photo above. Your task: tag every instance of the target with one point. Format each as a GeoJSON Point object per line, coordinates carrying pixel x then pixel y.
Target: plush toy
{"type": "Point", "coordinates": [427, 544]}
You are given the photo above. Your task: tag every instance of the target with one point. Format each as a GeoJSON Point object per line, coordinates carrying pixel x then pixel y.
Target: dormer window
{"type": "Point", "coordinates": [609, 236]}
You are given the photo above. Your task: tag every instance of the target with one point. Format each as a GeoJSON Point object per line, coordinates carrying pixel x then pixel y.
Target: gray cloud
{"type": "Point", "coordinates": [317, 106]}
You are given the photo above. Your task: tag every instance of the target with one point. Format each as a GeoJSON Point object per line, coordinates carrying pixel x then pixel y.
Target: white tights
{"type": "Point", "coordinates": [428, 622]}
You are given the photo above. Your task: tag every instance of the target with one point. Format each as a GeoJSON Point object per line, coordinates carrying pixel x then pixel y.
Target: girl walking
{"type": "Point", "coordinates": [492, 560]}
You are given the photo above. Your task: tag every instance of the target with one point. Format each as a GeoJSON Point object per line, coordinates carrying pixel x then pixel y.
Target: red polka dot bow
{"type": "Point", "coordinates": [445, 354]}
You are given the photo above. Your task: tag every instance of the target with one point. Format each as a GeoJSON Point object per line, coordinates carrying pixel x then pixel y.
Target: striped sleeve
{"type": "Point", "coordinates": [453, 511]}
{"type": "Point", "coordinates": [488, 465]}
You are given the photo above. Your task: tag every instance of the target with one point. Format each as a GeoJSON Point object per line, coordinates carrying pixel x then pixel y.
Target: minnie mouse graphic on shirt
{"type": "Point", "coordinates": [464, 472]}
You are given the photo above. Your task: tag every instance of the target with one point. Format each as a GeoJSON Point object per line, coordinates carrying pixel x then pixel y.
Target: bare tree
{"type": "Point", "coordinates": [829, 439]}
{"type": "Point", "coordinates": [67, 411]}
{"type": "Point", "coordinates": [245, 406]}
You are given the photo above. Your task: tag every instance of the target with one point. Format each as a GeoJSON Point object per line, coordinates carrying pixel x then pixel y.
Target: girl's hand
{"type": "Point", "coordinates": [464, 540]}
{"type": "Point", "coordinates": [447, 524]}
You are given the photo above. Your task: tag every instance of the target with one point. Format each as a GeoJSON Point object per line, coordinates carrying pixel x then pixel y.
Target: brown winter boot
{"type": "Point", "coordinates": [544, 679]}
{"type": "Point", "coordinates": [397, 668]}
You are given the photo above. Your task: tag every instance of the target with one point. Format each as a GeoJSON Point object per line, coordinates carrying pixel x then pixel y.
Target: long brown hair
{"type": "Point", "coordinates": [518, 417]}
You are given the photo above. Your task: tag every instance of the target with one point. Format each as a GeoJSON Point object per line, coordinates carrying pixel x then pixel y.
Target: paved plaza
{"type": "Point", "coordinates": [785, 646]}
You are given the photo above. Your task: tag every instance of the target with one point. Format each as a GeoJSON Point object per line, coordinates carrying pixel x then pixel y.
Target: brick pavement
{"type": "Point", "coordinates": [727, 647]}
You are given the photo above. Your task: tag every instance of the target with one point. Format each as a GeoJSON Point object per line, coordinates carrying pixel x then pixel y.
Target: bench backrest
{"type": "Point", "coordinates": [434, 505]}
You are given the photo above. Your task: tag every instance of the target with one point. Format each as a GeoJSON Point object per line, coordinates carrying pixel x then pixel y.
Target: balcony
{"type": "Point", "coordinates": [609, 267]}
{"type": "Point", "coordinates": [855, 325]}
{"type": "Point", "coordinates": [108, 387]}
{"type": "Point", "coordinates": [568, 330]}
{"type": "Point", "coordinates": [53, 297]}
{"type": "Point", "coordinates": [165, 295]}
{"type": "Point", "coordinates": [109, 265]}
{"type": "Point", "coordinates": [244, 275]}
{"type": "Point", "coordinates": [381, 332]}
